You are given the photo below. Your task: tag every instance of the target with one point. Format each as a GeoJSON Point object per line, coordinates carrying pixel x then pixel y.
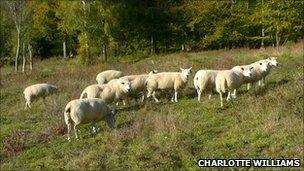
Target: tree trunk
{"type": "Point", "coordinates": [64, 49]}
{"type": "Point", "coordinates": [263, 34]}
{"type": "Point", "coordinates": [277, 37]}
{"type": "Point", "coordinates": [152, 46]}
{"type": "Point", "coordinates": [30, 54]}
{"type": "Point", "coordinates": [104, 53]}
{"type": "Point", "coordinates": [23, 57]}
{"type": "Point", "coordinates": [17, 50]}
{"type": "Point", "coordinates": [183, 47]}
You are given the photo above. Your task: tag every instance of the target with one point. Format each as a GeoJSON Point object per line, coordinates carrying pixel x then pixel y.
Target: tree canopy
{"type": "Point", "coordinates": [98, 30]}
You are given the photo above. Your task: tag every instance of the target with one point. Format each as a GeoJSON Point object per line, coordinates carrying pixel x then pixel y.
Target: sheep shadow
{"type": "Point", "coordinates": [261, 91]}
{"type": "Point", "coordinates": [125, 124]}
{"type": "Point", "coordinates": [190, 92]}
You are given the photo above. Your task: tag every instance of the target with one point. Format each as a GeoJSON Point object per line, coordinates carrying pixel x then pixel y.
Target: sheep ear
{"type": "Point", "coordinates": [181, 69]}
{"type": "Point", "coordinates": [190, 68]}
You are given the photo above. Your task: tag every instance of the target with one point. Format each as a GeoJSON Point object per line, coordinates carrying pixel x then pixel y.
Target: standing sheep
{"type": "Point", "coordinates": [230, 80]}
{"type": "Point", "coordinates": [272, 61]}
{"type": "Point", "coordinates": [83, 111]}
{"type": "Point", "coordinates": [115, 90]}
{"type": "Point", "coordinates": [204, 80]}
{"type": "Point", "coordinates": [36, 91]}
{"type": "Point", "coordinates": [108, 75]}
{"type": "Point", "coordinates": [167, 80]}
{"type": "Point", "coordinates": [260, 68]}
{"type": "Point", "coordinates": [138, 84]}
{"type": "Point", "coordinates": [111, 92]}
{"type": "Point", "coordinates": [91, 91]}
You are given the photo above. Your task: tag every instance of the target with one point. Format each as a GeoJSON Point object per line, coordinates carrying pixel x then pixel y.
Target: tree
{"type": "Point", "coordinates": [17, 11]}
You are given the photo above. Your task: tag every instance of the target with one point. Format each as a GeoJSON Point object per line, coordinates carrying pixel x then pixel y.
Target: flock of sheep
{"type": "Point", "coordinates": [113, 87]}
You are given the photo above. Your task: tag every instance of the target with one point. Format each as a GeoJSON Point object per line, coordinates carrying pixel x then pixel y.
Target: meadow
{"type": "Point", "coordinates": [265, 124]}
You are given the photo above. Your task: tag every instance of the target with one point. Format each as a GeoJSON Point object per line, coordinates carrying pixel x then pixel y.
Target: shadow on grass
{"type": "Point", "coordinates": [261, 91]}
{"type": "Point", "coordinates": [126, 124]}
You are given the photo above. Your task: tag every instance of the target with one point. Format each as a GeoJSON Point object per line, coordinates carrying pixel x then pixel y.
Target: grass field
{"type": "Point", "coordinates": [156, 136]}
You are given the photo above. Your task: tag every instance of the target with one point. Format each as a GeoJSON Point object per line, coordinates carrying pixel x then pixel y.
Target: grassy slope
{"type": "Point", "coordinates": [166, 135]}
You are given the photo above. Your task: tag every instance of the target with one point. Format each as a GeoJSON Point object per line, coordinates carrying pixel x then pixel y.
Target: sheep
{"type": "Point", "coordinates": [108, 75]}
{"type": "Point", "coordinates": [167, 80]}
{"type": "Point", "coordinates": [84, 111]}
{"type": "Point", "coordinates": [230, 80]}
{"type": "Point", "coordinates": [36, 91]}
{"type": "Point", "coordinates": [272, 61]}
{"type": "Point", "coordinates": [204, 80]}
{"type": "Point", "coordinates": [138, 84]}
{"type": "Point", "coordinates": [91, 91]}
{"type": "Point", "coordinates": [260, 68]}
{"type": "Point", "coordinates": [115, 90]}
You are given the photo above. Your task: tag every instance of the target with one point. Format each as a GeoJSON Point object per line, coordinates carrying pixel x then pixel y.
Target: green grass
{"type": "Point", "coordinates": [155, 136]}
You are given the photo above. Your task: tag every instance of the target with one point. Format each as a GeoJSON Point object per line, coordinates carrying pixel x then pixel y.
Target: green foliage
{"type": "Point", "coordinates": [95, 30]}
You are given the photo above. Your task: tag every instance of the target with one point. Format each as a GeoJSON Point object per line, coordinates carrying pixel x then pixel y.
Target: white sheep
{"type": "Point", "coordinates": [272, 61]}
{"type": "Point", "coordinates": [115, 90]}
{"type": "Point", "coordinates": [84, 111]}
{"type": "Point", "coordinates": [108, 75]}
{"type": "Point", "coordinates": [167, 80]}
{"type": "Point", "coordinates": [36, 91]}
{"type": "Point", "coordinates": [230, 80]}
{"type": "Point", "coordinates": [138, 84]}
{"type": "Point", "coordinates": [204, 80]}
{"type": "Point", "coordinates": [91, 91]}
{"type": "Point", "coordinates": [260, 68]}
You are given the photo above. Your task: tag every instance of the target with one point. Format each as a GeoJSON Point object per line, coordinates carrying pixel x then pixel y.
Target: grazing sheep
{"type": "Point", "coordinates": [230, 80]}
{"type": "Point", "coordinates": [204, 80]}
{"type": "Point", "coordinates": [83, 111]}
{"type": "Point", "coordinates": [37, 91]}
{"type": "Point", "coordinates": [108, 75]}
{"type": "Point", "coordinates": [115, 90]}
{"type": "Point", "coordinates": [138, 84]}
{"type": "Point", "coordinates": [91, 91]}
{"type": "Point", "coordinates": [167, 80]}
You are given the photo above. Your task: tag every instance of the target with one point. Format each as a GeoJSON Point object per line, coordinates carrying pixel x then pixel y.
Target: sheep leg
{"type": "Point", "coordinates": [234, 94]}
{"type": "Point", "coordinates": [209, 96]}
{"type": "Point", "coordinates": [221, 98]}
{"type": "Point", "coordinates": [248, 86]}
{"type": "Point", "coordinates": [260, 83]}
{"type": "Point", "coordinates": [25, 105]}
{"type": "Point", "coordinates": [153, 95]}
{"type": "Point", "coordinates": [199, 95]}
{"type": "Point", "coordinates": [172, 98]}
{"type": "Point", "coordinates": [142, 98]}
{"type": "Point", "coordinates": [254, 88]}
{"type": "Point", "coordinates": [76, 131]}
{"type": "Point", "coordinates": [175, 95]}
{"type": "Point", "coordinates": [263, 81]}
{"type": "Point", "coordinates": [149, 95]}
{"type": "Point", "coordinates": [228, 96]}
{"type": "Point", "coordinates": [94, 130]}
{"type": "Point", "coordinates": [69, 125]}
